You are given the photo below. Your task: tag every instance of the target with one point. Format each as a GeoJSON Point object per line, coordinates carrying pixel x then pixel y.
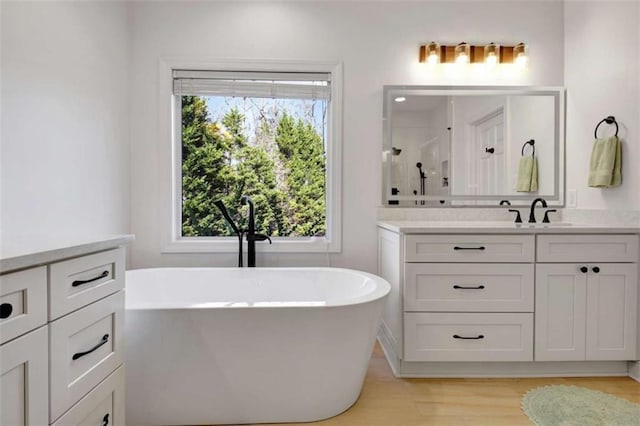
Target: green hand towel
{"type": "Point", "coordinates": [605, 167]}
{"type": "Point", "coordinates": [528, 174]}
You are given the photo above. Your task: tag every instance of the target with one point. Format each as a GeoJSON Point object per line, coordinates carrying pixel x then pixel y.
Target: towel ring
{"type": "Point", "coordinates": [609, 120]}
{"type": "Point", "coordinates": [529, 142]}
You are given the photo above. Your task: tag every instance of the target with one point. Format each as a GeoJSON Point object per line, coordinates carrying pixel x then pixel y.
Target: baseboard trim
{"type": "Point", "coordinates": [633, 367]}
{"type": "Point", "coordinates": [386, 343]}
{"type": "Point", "coordinates": [513, 369]}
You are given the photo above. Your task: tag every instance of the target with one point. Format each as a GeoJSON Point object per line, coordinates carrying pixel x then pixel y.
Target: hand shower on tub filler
{"type": "Point", "coordinates": [250, 232]}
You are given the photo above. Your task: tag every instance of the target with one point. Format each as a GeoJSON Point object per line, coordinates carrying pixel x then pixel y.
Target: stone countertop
{"type": "Point", "coordinates": [500, 227]}
{"type": "Point", "coordinates": [30, 252]}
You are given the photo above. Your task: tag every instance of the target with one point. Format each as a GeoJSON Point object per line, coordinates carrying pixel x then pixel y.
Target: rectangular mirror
{"type": "Point", "coordinates": [472, 146]}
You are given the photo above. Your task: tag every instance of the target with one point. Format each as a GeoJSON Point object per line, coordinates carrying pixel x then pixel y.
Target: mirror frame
{"type": "Point", "coordinates": [392, 91]}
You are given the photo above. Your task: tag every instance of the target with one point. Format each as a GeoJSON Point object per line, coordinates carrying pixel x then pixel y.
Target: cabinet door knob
{"type": "Point", "coordinates": [5, 310]}
{"type": "Point", "coordinates": [595, 269]}
{"type": "Point", "coordinates": [584, 269]}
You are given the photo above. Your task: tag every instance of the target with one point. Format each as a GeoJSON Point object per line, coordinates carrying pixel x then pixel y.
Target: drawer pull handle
{"type": "Point", "coordinates": [468, 248]}
{"type": "Point", "coordinates": [105, 420]}
{"type": "Point", "coordinates": [455, 336]}
{"type": "Point", "coordinates": [80, 282]}
{"type": "Point", "coordinates": [5, 310]}
{"type": "Point", "coordinates": [595, 269]}
{"type": "Point", "coordinates": [584, 269]}
{"type": "Point", "coordinates": [104, 340]}
{"type": "Point", "coordinates": [480, 287]}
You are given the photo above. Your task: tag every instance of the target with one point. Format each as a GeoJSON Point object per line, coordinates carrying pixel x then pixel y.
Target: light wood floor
{"type": "Point", "coordinates": [388, 401]}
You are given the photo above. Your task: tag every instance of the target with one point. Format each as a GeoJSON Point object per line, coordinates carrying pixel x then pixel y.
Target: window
{"type": "Point", "coordinates": [271, 135]}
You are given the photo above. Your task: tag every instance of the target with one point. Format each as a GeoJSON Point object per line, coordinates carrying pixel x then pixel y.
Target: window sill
{"type": "Point", "coordinates": [230, 245]}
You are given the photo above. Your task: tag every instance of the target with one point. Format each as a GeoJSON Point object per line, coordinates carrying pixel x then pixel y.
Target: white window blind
{"type": "Point", "coordinates": [280, 85]}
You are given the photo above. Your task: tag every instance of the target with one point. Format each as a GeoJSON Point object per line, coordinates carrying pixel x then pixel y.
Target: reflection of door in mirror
{"type": "Point", "coordinates": [488, 163]}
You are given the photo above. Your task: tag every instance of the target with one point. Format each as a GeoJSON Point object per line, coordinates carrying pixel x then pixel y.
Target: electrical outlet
{"type": "Point", "coordinates": [572, 198]}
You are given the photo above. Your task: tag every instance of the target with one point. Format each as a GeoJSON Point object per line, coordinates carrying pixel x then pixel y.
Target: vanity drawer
{"type": "Point", "coordinates": [469, 248]}
{"type": "Point", "coordinates": [93, 336]}
{"type": "Point", "coordinates": [469, 287]}
{"type": "Point", "coordinates": [103, 406]}
{"type": "Point", "coordinates": [77, 282]}
{"type": "Point", "coordinates": [587, 248]}
{"type": "Point", "coordinates": [23, 302]}
{"type": "Point", "coordinates": [468, 337]}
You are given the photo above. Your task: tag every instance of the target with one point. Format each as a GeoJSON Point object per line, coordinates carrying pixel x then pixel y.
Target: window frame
{"type": "Point", "coordinates": [171, 129]}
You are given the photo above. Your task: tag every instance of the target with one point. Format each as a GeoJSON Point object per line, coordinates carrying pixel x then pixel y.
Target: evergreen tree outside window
{"type": "Point", "coordinates": [259, 134]}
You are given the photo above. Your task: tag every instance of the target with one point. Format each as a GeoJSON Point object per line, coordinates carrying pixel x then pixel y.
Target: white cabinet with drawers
{"type": "Point", "coordinates": [483, 304]}
{"type": "Point", "coordinates": [61, 335]}
{"type": "Point", "coordinates": [468, 297]}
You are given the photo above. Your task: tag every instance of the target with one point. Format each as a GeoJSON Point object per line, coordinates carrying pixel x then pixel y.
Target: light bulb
{"type": "Point", "coordinates": [462, 58]}
{"type": "Point", "coordinates": [522, 60]}
{"type": "Point", "coordinates": [520, 54]}
{"type": "Point", "coordinates": [400, 99]}
{"type": "Point", "coordinates": [491, 54]}
{"type": "Point", "coordinates": [433, 58]}
{"type": "Point", "coordinates": [462, 52]}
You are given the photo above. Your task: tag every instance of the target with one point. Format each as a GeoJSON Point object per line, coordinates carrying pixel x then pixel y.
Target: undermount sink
{"type": "Point", "coordinates": [543, 225]}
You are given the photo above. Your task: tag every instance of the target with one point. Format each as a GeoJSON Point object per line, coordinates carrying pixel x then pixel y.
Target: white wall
{"type": "Point", "coordinates": [602, 76]}
{"type": "Point", "coordinates": [65, 119]}
{"type": "Point", "coordinates": [378, 44]}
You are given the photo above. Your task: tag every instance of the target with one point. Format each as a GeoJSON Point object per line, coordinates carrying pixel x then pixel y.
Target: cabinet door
{"type": "Point", "coordinates": [560, 312]}
{"type": "Point", "coordinates": [23, 380]}
{"type": "Point", "coordinates": [612, 294]}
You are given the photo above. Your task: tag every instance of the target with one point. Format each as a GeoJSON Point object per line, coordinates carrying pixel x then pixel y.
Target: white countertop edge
{"type": "Point", "coordinates": [51, 251]}
{"type": "Point", "coordinates": [479, 227]}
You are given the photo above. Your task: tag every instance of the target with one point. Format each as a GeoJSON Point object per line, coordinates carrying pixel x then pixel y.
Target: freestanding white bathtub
{"type": "Point", "coordinates": [252, 345]}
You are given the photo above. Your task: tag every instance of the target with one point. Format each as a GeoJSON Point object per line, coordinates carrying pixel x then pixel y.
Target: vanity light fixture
{"type": "Point", "coordinates": [491, 53]}
{"type": "Point", "coordinates": [400, 99]}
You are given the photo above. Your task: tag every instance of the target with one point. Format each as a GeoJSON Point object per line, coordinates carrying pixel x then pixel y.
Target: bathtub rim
{"type": "Point", "coordinates": [381, 290]}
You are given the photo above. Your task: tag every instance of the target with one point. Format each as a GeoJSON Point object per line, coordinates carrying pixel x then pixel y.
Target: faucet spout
{"type": "Point", "coordinates": [220, 205]}
{"type": "Point", "coordinates": [532, 215]}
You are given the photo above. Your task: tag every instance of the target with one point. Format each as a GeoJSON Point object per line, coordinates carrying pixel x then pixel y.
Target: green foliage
{"type": "Point", "coordinates": [282, 169]}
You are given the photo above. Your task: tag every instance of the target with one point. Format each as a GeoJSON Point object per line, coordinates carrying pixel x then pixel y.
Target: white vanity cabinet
{"type": "Point", "coordinates": [586, 311]}
{"type": "Point", "coordinates": [466, 303]}
{"type": "Point", "coordinates": [61, 330]}
{"type": "Point", "coordinates": [468, 297]}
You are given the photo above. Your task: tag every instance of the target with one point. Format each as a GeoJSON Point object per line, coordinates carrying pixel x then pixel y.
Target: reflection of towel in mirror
{"type": "Point", "coordinates": [528, 174]}
{"type": "Point", "coordinates": [605, 167]}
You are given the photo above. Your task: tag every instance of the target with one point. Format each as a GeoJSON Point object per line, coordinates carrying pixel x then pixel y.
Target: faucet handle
{"type": "Point", "coordinates": [258, 237]}
{"type": "Point", "coordinates": [546, 215]}
{"type": "Point", "coordinates": [518, 218]}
